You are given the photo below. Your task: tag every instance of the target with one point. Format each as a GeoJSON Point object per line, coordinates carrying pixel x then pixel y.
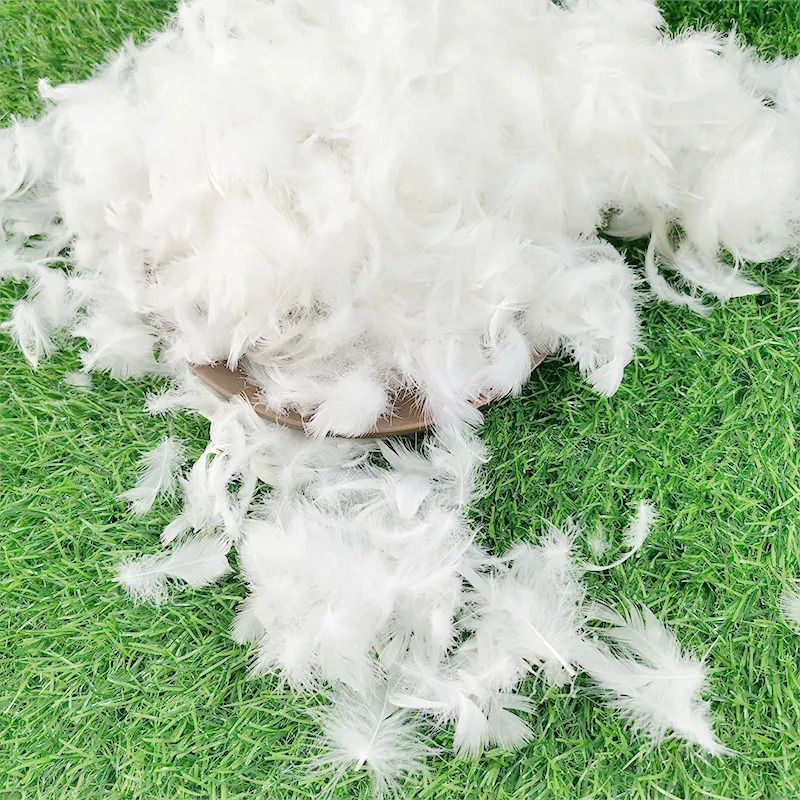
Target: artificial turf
{"type": "Point", "coordinates": [100, 698]}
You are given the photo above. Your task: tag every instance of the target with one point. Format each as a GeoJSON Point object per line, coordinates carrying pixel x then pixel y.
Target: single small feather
{"type": "Point", "coordinates": [365, 731]}
{"type": "Point", "coordinates": [159, 475]}
{"type": "Point", "coordinates": [598, 542]}
{"type": "Point", "coordinates": [649, 680]}
{"type": "Point", "coordinates": [789, 604]}
{"type": "Point", "coordinates": [635, 536]}
{"type": "Point", "coordinates": [197, 563]}
{"type": "Point", "coordinates": [79, 380]}
{"type": "Point", "coordinates": [639, 528]}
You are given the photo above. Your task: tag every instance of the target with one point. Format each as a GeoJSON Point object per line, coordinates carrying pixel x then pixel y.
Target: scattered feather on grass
{"type": "Point", "coordinates": [364, 731]}
{"type": "Point", "coordinates": [159, 475]}
{"type": "Point", "coordinates": [635, 536]}
{"type": "Point", "coordinates": [197, 563]}
{"type": "Point", "coordinates": [648, 679]}
{"type": "Point", "coordinates": [789, 604]}
{"type": "Point", "coordinates": [79, 380]}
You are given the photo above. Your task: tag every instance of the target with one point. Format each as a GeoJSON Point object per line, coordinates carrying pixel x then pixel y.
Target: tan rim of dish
{"type": "Point", "coordinates": [406, 416]}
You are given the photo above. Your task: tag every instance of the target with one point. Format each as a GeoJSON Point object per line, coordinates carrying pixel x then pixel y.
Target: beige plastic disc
{"type": "Point", "coordinates": [406, 416]}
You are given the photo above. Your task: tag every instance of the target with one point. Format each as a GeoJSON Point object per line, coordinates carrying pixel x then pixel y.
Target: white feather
{"type": "Point", "coordinates": [635, 536]}
{"type": "Point", "coordinates": [119, 343]}
{"type": "Point", "coordinates": [197, 563]}
{"type": "Point", "coordinates": [48, 308]}
{"type": "Point", "coordinates": [158, 475]}
{"type": "Point", "coordinates": [532, 610]}
{"type": "Point", "coordinates": [789, 604]}
{"type": "Point", "coordinates": [653, 685]}
{"type": "Point", "coordinates": [30, 332]}
{"type": "Point", "coordinates": [365, 731]}
{"type": "Point", "coordinates": [247, 628]}
{"type": "Point", "coordinates": [597, 541]}
{"type": "Point", "coordinates": [354, 201]}
{"type": "Point", "coordinates": [79, 380]}
{"type": "Point", "coordinates": [351, 405]}
{"type": "Point", "coordinates": [639, 529]}
{"type": "Point", "coordinates": [400, 254]}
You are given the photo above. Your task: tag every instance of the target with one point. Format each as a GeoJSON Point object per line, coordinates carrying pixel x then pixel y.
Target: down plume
{"type": "Point", "coordinates": [352, 199]}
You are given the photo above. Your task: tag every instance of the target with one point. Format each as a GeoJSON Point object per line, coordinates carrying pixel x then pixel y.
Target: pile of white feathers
{"type": "Point", "coordinates": [351, 199]}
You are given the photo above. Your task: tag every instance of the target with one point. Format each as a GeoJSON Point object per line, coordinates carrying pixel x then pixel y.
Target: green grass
{"type": "Point", "coordinates": [101, 699]}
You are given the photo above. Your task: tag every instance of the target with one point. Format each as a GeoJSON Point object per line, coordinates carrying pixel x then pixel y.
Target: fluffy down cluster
{"type": "Point", "coordinates": [348, 198]}
{"type": "Point", "coordinates": [365, 582]}
{"type": "Point", "coordinates": [352, 199]}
